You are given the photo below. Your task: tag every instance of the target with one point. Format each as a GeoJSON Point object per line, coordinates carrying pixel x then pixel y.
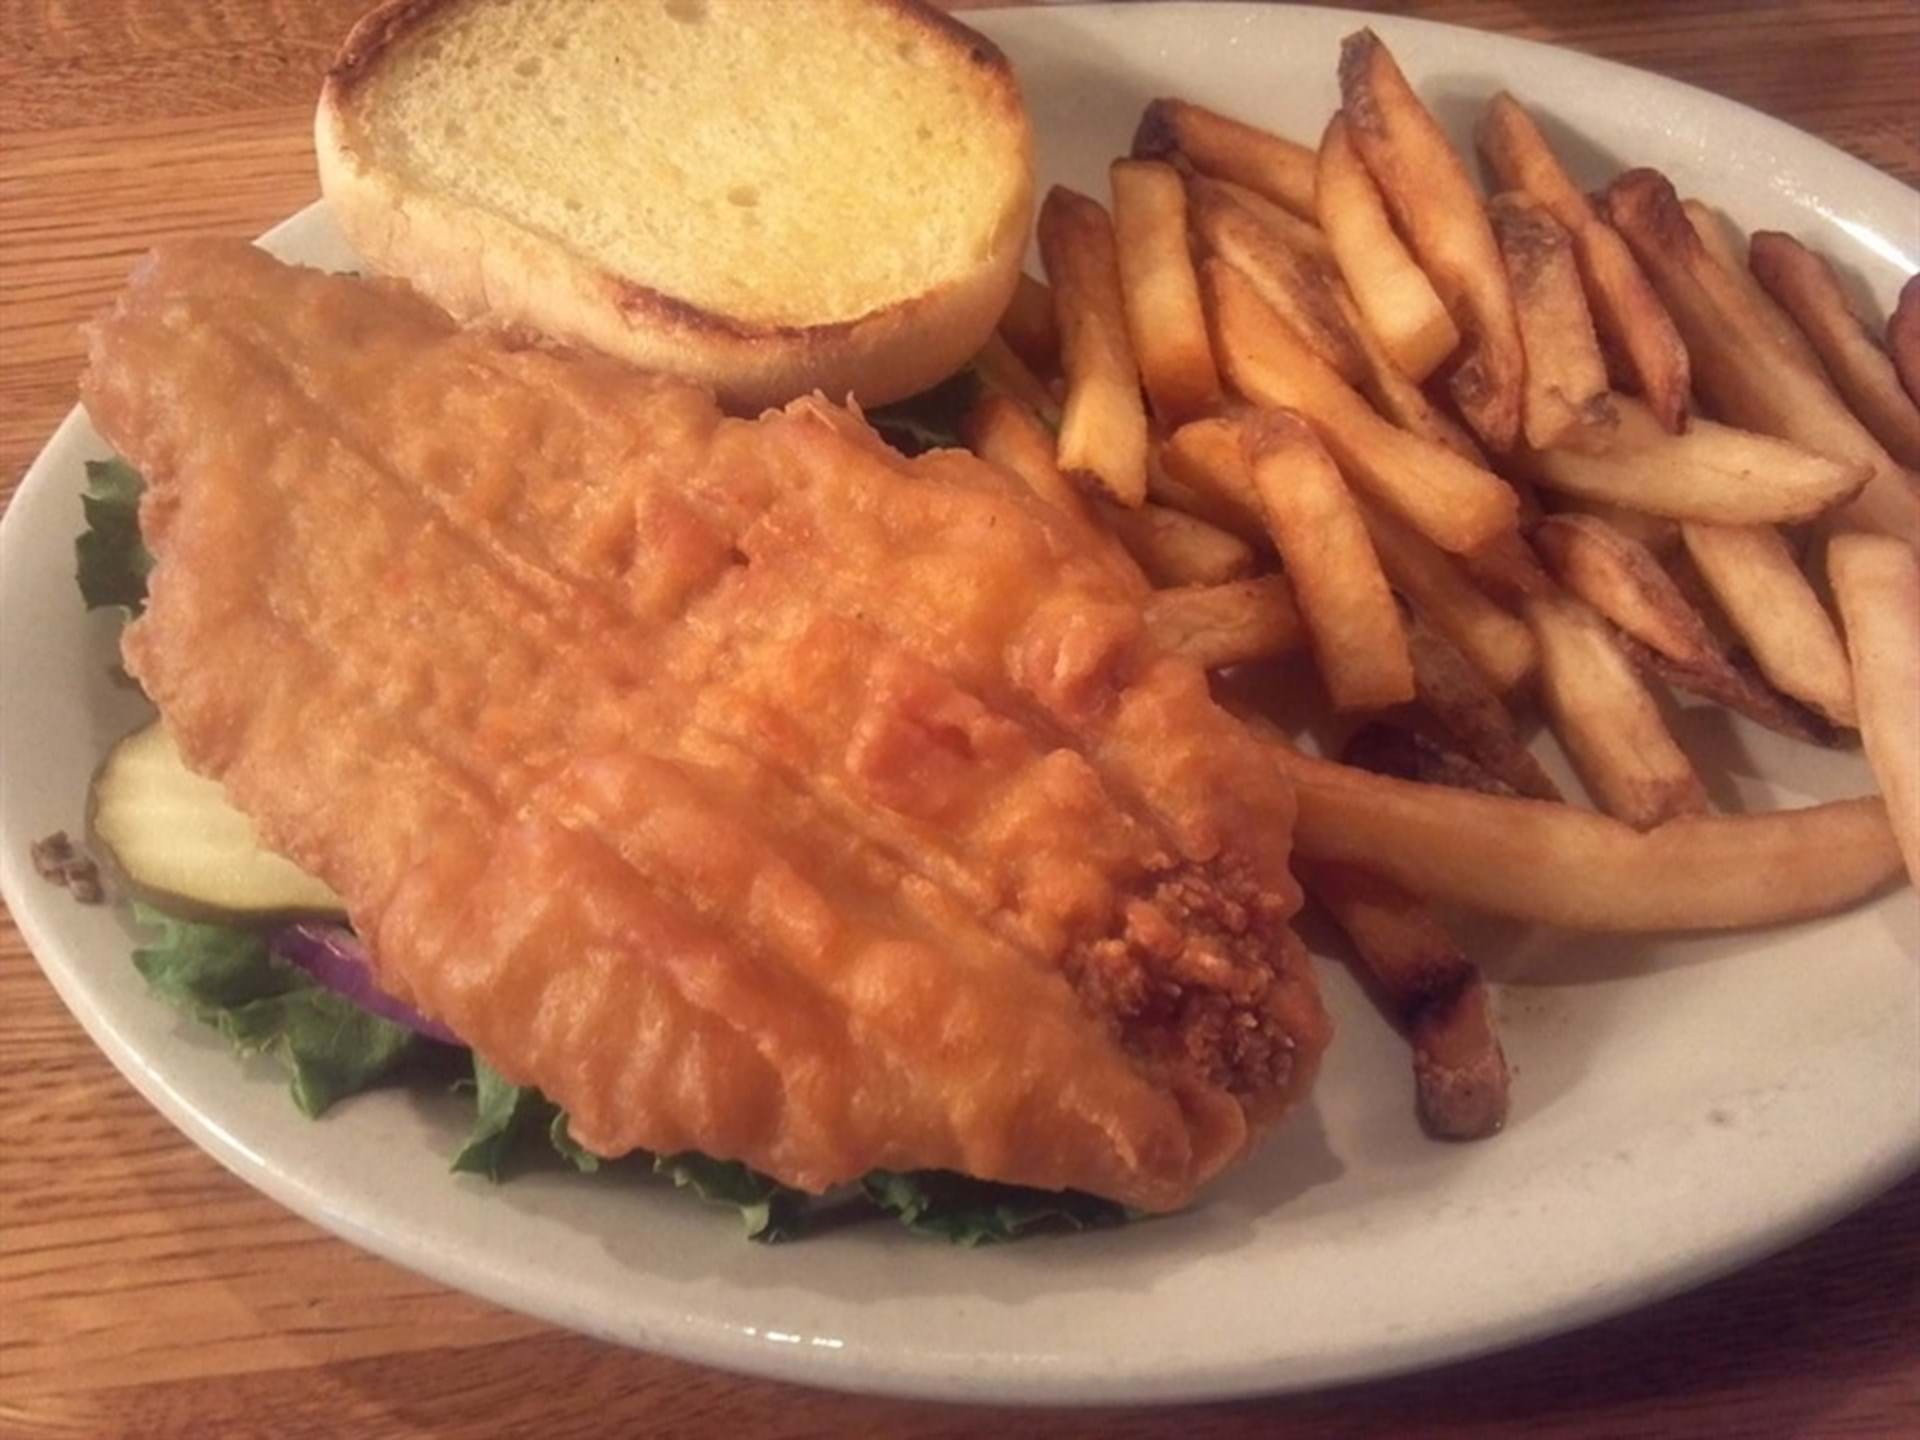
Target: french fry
{"type": "Point", "coordinates": [1431, 989]}
{"type": "Point", "coordinates": [1741, 368]}
{"type": "Point", "coordinates": [1394, 295]}
{"type": "Point", "coordinates": [1752, 574]}
{"type": "Point", "coordinates": [1295, 288]}
{"type": "Point", "coordinates": [1302, 236]}
{"type": "Point", "coordinates": [1499, 645]}
{"type": "Point", "coordinates": [1203, 459]}
{"type": "Point", "coordinates": [1431, 196]}
{"type": "Point", "coordinates": [999, 368]}
{"type": "Point", "coordinates": [1657, 533]}
{"type": "Point", "coordinates": [1162, 297]}
{"type": "Point", "coordinates": [1309, 295]}
{"type": "Point", "coordinates": [1559, 865]}
{"type": "Point", "coordinates": [1728, 246]}
{"type": "Point", "coordinates": [1028, 326]}
{"type": "Point", "coordinates": [1470, 715]}
{"type": "Point", "coordinates": [1221, 625]}
{"type": "Point", "coordinates": [1627, 313]}
{"type": "Point", "coordinates": [1607, 721]}
{"type": "Point", "coordinates": [1566, 399]}
{"type": "Point", "coordinates": [1390, 749]}
{"type": "Point", "coordinates": [1278, 169]}
{"type": "Point", "coordinates": [1398, 398]}
{"type": "Point", "coordinates": [1877, 584]}
{"type": "Point", "coordinates": [1453, 502]}
{"type": "Point", "coordinates": [1712, 472]}
{"type": "Point", "coordinates": [1903, 337]}
{"type": "Point", "coordinates": [1359, 642]}
{"type": "Point", "coordinates": [1103, 426]}
{"type": "Point", "coordinates": [1622, 580]}
{"type": "Point", "coordinates": [1808, 290]}
{"type": "Point", "coordinates": [1507, 569]}
{"type": "Point", "coordinates": [1173, 548]}
{"type": "Point", "coordinates": [1003, 432]}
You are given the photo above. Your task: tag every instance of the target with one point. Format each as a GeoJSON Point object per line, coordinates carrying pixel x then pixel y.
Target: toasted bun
{"type": "Point", "coordinates": [769, 198]}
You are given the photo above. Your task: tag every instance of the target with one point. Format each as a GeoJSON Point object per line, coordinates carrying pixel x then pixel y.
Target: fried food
{"type": "Point", "coordinates": [1609, 724]}
{"type": "Point", "coordinates": [1216, 626]}
{"type": "Point", "coordinates": [1161, 294]}
{"type": "Point", "coordinates": [1621, 579]}
{"type": "Point", "coordinates": [1450, 500]}
{"type": "Point", "coordinates": [1877, 584]}
{"type": "Point", "coordinates": [1276, 169]}
{"type": "Point", "coordinates": [1566, 400]}
{"type": "Point", "coordinates": [1712, 472]}
{"type": "Point", "coordinates": [1392, 291]}
{"type": "Point", "coordinates": [1763, 593]}
{"type": "Point", "coordinates": [1432, 197]}
{"type": "Point", "coordinates": [1804, 285]}
{"type": "Point", "coordinates": [1559, 865]}
{"type": "Point", "coordinates": [1103, 426]}
{"type": "Point", "coordinates": [744, 786]}
{"type": "Point", "coordinates": [1359, 642]}
{"type": "Point", "coordinates": [1742, 369]}
{"type": "Point", "coordinates": [1431, 989]}
{"type": "Point", "coordinates": [1632, 322]}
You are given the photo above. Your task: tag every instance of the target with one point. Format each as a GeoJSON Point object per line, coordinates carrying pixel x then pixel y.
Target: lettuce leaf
{"type": "Point", "coordinates": [231, 980]}
{"type": "Point", "coordinates": [968, 1212]}
{"type": "Point", "coordinates": [771, 1211]}
{"type": "Point", "coordinates": [111, 562]}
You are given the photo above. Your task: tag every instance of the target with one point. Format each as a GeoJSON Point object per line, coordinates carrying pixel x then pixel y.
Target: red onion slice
{"type": "Point", "coordinates": [333, 955]}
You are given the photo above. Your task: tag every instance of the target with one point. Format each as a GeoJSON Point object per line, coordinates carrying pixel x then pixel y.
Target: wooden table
{"type": "Point", "coordinates": [145, 1292]}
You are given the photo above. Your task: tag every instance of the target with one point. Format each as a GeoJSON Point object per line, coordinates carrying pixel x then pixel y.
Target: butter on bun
{"type": "Point", "coordinates": [769, 198]}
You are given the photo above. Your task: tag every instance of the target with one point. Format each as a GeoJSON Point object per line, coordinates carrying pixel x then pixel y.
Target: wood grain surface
{"type": "Point", "coordinates": [144, 1292]}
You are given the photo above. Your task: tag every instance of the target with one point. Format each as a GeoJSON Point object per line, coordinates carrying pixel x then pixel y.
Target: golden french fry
{"type": "Point", "coordinates": [999, 368]}
{"type": "Point", "coordinates": [1712, 473]}
{"type": "Point", "coordinates": [1642, 347]}
{"type": "Point", "coordinates": [1621, 579]}
{"type": "Point", "coordinates": [1470, 715]}
{"type": "Point", "coordinates": [1657, 533]}
{"type": "Point", "coordinates": [1432, 990]}
{"type": "Point", "coordinates": [1297, 289]}
{"type": "Point", "coordinates": [1162, 297]}
{"type": "Point", "coordinates": [1559, 865]}
{"type": "Point", "coordinates": [1029, 327]}
{"type": "Point", "coordinates": [1903, 337]}
{"type": "Point", "coordinates": [1394, 295]}
{"type": "Point", "coordinates": [1453, 502]}
{"type": "Point", "coordinates": [1173, 548]}
{"type": "Point", "coordinates": [1302, 236]}
{"type": "Point", "coordinates": [1221, 625]}
{"type": "Point", "coordinates": [1607, 721]}
{"type": "Point", "coordinates": [1359, 642]}
{"type": "Point", "coordinates": [1431, 196]}
{"type": "Point", "coordinates": [1627, 313]}
{"type": "Point", "coordinates": [1227, 149]}
{"type": "Point", "coordinates": [1876, 582]}
{"type": "Point", "coordinates": [1566, 399]}
{"type": "Point", "coordinates": [1507, 569]}
{"type": "Point", "coordinates": [1398, 398]}
{"type": "Point", "coordinates": [1752, 574]}
{"type": "Point", "coordinates": [1808, 290]}
{"type": "Point", "coordinates": [1742, 369]}
{"type": "Point", "coordinates": [1727, 244]}
{"type": "Point", "coordinates": [1499, 645]}
{"type": "Point", "coordinates": [1198, 470]}
{"type": "Point", "coordinates": [1103, 426]}
{"type": "Point", "coordinates": [1003, 432]}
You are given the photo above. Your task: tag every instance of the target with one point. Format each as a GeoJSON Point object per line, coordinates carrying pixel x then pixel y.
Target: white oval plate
{"type": "Point", "coordinates": [1683, 1105]}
